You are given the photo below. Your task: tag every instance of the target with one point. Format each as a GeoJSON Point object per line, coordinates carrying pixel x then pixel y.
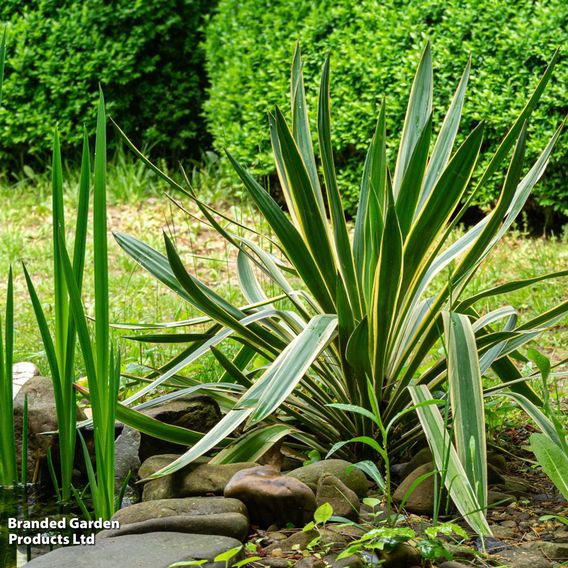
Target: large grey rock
{"type": "Point", "coordinates": [196, 479]}
{"type": "Point", "coordinates": [199, 413]}
{"type": "Point", "coordinates": [126, 458]}
{"type": "Point", "coordinates": [198, 515]}
{"type": "Point", "coordinates": [353, 477]}
{"type": "Point", "coordinates": [344, 501]}
{"type": "Point", "coordinates": [150, 550]}
{"type": "Point", "coordinates": [42, 417]}
{"type": "Point", "coordinates": [272, 498]}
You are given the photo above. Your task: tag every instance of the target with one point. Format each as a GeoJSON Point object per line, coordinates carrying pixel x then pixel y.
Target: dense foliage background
{"type": "Point", "coordinates": [375, 46]}
{"type": "Point", "coordinates": [182, 76]}
{"type": "Point", "coordinates": [145, 55]}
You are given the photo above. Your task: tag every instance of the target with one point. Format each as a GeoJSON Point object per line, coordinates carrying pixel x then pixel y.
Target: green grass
{"type": "Point", "coordinates": [138, 207]}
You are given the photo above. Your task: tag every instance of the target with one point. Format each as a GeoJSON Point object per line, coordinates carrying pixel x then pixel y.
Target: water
{"type": "Point", "coordinates": [29, 503]}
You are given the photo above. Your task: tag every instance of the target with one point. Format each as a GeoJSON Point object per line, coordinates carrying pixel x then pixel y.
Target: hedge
{"type": "Point", "coordinates": [146, 55]}
{"type": "Point", "coordinates": [375, 47]}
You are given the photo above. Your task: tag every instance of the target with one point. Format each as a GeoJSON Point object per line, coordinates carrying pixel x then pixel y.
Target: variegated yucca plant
{"type": "Point", "coordinates": [356, 320]}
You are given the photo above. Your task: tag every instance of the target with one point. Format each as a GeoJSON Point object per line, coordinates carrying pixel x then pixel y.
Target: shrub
{"type": "Point", "coordinates": [334, 323]}
{"type": "Point", "coordinates": [375, 45]}
{"type": "Point", "coordinates": [146, 56]}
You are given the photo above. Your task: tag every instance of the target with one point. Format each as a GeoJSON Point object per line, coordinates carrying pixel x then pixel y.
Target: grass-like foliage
{"type": "Point", "coordinates": [359, 308]}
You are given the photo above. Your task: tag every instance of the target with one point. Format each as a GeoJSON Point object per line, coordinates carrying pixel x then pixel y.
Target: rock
{"type": "Point", "coordinates": [494, 477]}
{"type": "Point", "coordinates": [398, 470]}
{"type": "Point", "coordinates": [497, 460]}
{"type": "Point", "coordinates": [196, 479]}
{"type": "Point", "coordinates": [296, 541]}
{"type": "Point", "coordinates": [210, 478]}
{"type": "Point", "coordinates": [498, 498]}
{"type": "Point", "coordinates": [199, 413]}
{"type": "Point", "coordinates": [272, 498]}
{"type": "Point", "coordinates": [452, 564]}
{"type": "Point", "coordinates": [516, 486]}
{"type": "Point", "coordinates": [421, 500]}
{"type": "Point", "coordinates": [276, 562]}
{"type": "Point", "coordinates": [151, 550]}
{"type": "Point", "coordinates": [197, 515]}
{"type": "Point", "coordinates": [21, 374]}
{"type": "Point", "coordinates": [504, 533]}
{"type": "Point", "coordinates": [126, 458]}
{"type": "Point", "coordinates": [551, 550]}
{"type": "Point", "coordinates": [421, 457]}
{"type": "Point", "coordinates": [42, 417]}
{"type": "Point", "coordinates": [349, 562]}
{"type": "Point", "coordinates": [403, 556]}
{"type": "Point", "coordinates": [522, 558]}
{"type": "Point", "coordinates": [332, 490]}
{"type": "Point", "coordinates": [353, 477]}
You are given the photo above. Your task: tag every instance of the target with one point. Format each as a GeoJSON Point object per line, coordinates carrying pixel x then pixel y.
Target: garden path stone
{"type": "Point", "coordinates": [198, 515]}
{"type": "Point", "coordinates": [150, 550]}
{"type": "Point", "coordinates": [272, 498]}
{"type": "Point", "coordinates": [196, 479]}
{"type": "Point", "coordinates": [42, 417]}
{"type": "Point", "coordinates": [344, 501]}
{"type": "Point", "coordinates": [353, 477]}
{"type": "Point", "coordinates": [199, 413]}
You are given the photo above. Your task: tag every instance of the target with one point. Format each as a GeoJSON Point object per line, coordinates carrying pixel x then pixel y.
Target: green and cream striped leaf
{"type": "Point", "coordinates": [447, 460]}
{"type": "Point", "coordinates": [466, 396]}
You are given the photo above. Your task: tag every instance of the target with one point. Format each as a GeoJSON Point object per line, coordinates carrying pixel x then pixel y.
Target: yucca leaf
{"type": "Point", "coordinates": [386, 288]}
{"type": "Point", "coordinates": [291, 240]}
{"type": "Point", "coordinates": [369, 222]}
{"type": "Point", "coordinates": [445, 140]}
{"type": "Point", "coordinates": [466, 396]}
{"type": "Point", "coordinates": [312, 222]}
{"type": "Point", "coordinates": [418, 113]}
{"type": "Point", "coordinates": [254, 444]}
{"type": "Point", "coordinates": [342, 244]}
{"type": "Point", "coordinates": [411, 184]}
{"type": "Point", "coordinates": [441, 203]}
{"type": "Point", "coordinates": [301, 125]}
{"type": "Point", "coordinates": [447, 460]}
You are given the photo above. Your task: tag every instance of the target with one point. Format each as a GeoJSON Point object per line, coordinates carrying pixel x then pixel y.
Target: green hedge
{"type": "Point", "coordinates": [375, 46]}
{"type": "Point", "coordinates": [146, 55]}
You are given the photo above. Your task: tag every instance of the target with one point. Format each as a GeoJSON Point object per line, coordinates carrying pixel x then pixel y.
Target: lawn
{"type": "Point", "coordinates": [139, 207]}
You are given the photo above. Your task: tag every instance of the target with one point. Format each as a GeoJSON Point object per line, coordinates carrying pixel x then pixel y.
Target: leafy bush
{"type": "Point", "coordinates": [374, 49]}
{"type": "Point", "coordinates": [146, 56]}
{"type": "Point", "coordinates": [356, 320]}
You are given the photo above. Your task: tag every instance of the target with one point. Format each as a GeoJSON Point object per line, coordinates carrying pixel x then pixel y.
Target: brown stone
{"type": "Point", "coordinates": [272, 498]}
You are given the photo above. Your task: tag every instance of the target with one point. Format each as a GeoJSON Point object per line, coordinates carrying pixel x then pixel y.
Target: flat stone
{"type": "Point", "coordinates": [150, 550]}
{"type": "Point", "coordinates": [197, 515]}
{"type": "Point", "coordinates": [196, 479]}
{"type": "Point", "coordinates": [552, 550]}
{"type": "Point", "coordinates": [272, 498]}
{"type": "Point", "coordinates": [522, 558]}
{"type": "Point", "coordinates": [353, 477]}
{"type": "Point", "coordinates": [452, 564]}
